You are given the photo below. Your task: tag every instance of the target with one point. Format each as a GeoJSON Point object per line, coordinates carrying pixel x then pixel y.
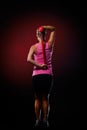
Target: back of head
{"type": "Point", "coordinates": [41, 32]}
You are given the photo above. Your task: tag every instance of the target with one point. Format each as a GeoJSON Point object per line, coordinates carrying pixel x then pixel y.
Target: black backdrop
{"type": "Point", "coordinates": [16, 103]}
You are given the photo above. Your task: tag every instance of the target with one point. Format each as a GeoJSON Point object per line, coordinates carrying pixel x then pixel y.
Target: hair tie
{"type": "Point", "coordinates": [40, 29]}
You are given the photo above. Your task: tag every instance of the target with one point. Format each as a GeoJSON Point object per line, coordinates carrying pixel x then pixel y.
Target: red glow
{"type": "Point", "coordinates": [20, 35]}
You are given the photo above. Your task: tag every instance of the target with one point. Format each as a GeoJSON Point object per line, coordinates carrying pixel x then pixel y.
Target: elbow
{"type": "Point", "coordinates": [53, 29]}
{"type": "Point", "coordinates": [28, 59]}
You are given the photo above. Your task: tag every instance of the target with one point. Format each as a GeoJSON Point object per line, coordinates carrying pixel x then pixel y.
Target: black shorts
{"type": "Point", "coordinates": [42, 84]}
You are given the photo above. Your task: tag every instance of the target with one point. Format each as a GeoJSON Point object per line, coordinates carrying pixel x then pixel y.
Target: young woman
{"type": "Point", "coordinates": [40, 55]}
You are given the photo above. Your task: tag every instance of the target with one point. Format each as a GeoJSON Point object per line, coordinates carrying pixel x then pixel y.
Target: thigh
{"type": "Point", "coordinates": [42, 84]}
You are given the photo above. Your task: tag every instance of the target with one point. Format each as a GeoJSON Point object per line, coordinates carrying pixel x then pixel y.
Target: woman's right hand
{"type": "Point", "coordinates": [44, 66]}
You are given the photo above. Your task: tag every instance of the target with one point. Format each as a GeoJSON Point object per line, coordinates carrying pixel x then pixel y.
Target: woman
{"type": "Point", "coordinates": [40, 55]}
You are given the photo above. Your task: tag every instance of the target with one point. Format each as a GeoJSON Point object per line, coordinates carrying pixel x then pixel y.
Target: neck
{"type": "Point", "coordinates": [41, 41]}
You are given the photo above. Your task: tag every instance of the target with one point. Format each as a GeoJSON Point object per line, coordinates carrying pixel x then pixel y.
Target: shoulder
{"type": "Point", "coordinates": [33, 47]}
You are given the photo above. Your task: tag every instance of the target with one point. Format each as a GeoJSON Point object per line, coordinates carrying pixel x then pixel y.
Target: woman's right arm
{"type": "Point", "coordinates": [51, 39]}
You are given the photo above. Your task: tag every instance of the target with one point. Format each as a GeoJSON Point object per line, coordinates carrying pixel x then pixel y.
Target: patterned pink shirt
{"type": "Point", "coordinates": [38, 57]}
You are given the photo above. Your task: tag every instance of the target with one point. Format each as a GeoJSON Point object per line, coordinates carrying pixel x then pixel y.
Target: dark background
{"type": "Point", "coordinates": [16, 95]}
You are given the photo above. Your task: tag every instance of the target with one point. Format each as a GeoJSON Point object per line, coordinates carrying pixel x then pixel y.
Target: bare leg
{"type": "Point", "coordinates": [37, 106]}
{"type": "Point", "coordinates": [45, 108]}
